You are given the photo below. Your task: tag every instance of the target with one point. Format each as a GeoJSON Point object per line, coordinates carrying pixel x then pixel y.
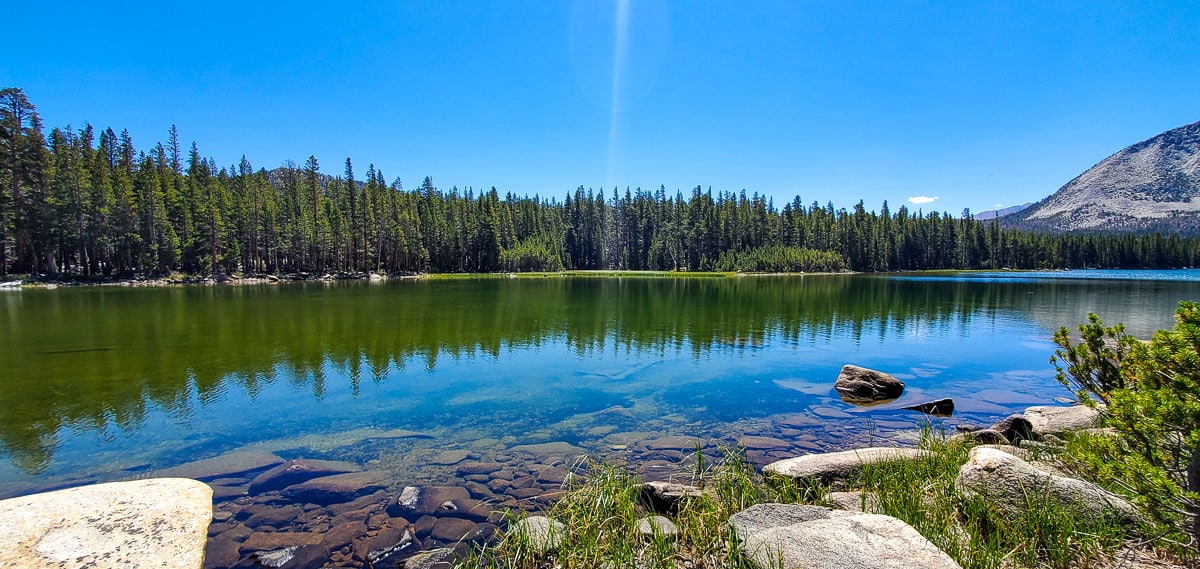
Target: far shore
{"type": "Point", "coordinates": [180, 279]}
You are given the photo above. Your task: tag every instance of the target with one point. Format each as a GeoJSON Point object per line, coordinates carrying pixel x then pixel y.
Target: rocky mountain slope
{"type": "Point", "coordinates": [1153, 185]}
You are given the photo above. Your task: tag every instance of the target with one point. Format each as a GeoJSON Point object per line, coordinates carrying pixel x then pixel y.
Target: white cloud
{"type": "Point", "coordinates": [998, 205]}
{"type": "Point", "coordinates": [923, 199]}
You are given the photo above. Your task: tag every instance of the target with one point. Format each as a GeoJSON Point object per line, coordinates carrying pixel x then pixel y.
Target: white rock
{"type": "Point", "coordinates": [840, 464]}
{"type": "Point", "coordinates": [761, 517]}
{"type": "Point", "coordinates": [158, 522]}
{"type": "Point", "coordinates": [1052, 420]}
{"type": "Point", "coordinates": [863, 541]}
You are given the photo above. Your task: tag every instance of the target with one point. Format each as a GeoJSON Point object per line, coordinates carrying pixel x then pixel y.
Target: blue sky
{"type": "Point", "coordinates": [976, 103]}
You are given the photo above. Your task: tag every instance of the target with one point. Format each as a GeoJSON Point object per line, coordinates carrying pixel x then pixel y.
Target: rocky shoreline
{"type": "Point", "coordinates": [310, 513]}
{"type": "Point", "coordinates": [56, 281]}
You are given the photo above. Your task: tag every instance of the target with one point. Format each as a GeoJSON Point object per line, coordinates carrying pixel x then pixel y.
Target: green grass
{"type": "Point", "coordinates": [603, 506]}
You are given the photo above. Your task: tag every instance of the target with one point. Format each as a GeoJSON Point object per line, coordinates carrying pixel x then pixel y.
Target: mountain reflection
{"type": "Point", "coordinates": [99, 359]}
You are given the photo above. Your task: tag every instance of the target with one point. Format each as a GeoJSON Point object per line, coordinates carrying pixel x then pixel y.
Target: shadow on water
{"type": "Point", "coordinates": [100, 359]}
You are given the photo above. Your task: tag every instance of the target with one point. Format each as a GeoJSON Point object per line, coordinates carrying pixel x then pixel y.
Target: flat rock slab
{"type": "Point", "coordinates": [159, 522]}
{"type": "Point", "coordinates": [229, 465]}
{"type": "Point", "coordinates": [763, 443]}
{"type": "Point", "coordinates": [841, 464]}
{"type": "Point", "coordinates": [761, 517]}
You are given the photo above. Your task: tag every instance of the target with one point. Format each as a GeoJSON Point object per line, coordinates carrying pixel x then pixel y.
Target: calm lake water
{"type": "Point", "coordinates": [114, 383]}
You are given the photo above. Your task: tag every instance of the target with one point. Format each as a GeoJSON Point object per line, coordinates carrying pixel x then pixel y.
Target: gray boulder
{"type": "Point", "coordinates": [791, 536]}
{"type": "Point", "coordinates": [859, 384]}
{"type": "Point", "coordinates": [832, 465]}
{"type": "Point", "coordinates": [765, 516]}
{"type": "Point", "coordinates": [1053, 420]}
{"type": "Point", "coordinates": [1012, 483]}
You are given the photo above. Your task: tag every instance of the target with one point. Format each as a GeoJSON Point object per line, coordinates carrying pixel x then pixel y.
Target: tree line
{"type": "Point", "coordinates": [88, 202]}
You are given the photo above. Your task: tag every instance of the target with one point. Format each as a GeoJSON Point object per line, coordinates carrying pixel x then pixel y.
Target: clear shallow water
{"type": "Point", "coordinates": [115, 383]}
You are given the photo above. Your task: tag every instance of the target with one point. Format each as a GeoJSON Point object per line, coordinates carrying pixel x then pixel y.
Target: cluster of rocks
{"type": "Point", "coordinates": [779, 535]}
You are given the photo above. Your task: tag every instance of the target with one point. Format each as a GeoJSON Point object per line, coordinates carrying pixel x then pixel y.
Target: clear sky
{"type": "Point", "coordinates": [975, 103]}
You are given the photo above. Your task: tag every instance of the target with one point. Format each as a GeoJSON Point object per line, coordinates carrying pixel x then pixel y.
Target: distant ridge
{"type": "Point", "coordinates": [1153, 185]}
{"type": "Point", "coordinates": [995, 213]}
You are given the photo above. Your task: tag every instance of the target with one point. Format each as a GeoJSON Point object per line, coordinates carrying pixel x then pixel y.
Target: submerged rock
{"type": "Point", "coordinates": [336, 489]}
{"type": "Point", "coordinates": [230, 465]}
{"type": "Point", "coordinates": [295, 557]}
{"type": "Point", "coordinates": [415, 502]}
{"type": "Point", "coordinates": [297, 471]}
{"type": "Point", "coordinates": [861, 384]}
{"type": "Point", "coordinates": [158, 521]}
{"type": "Point", "coordinates": [834, 465]}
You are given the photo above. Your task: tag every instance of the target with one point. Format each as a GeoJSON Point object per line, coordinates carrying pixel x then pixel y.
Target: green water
{"type": "Point", "coordinates": [108, 383]}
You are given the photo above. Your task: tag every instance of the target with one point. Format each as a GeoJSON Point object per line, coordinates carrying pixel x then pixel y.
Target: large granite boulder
{"type": "Point", "coordinates": [1013, 485]}
{"type": "Point", "coordinates": [1053, 420]}
{"type": "Point", "coordinates": [160, 522]}
{"type": "Point", "coordinates": [780, 536]}
{"type": "Point", "coordinates": [859, 384]}
{"type": "Point", "coordinates": [834, 465]}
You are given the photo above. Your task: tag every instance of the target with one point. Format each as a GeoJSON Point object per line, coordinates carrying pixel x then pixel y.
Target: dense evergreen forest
{"type": "Point", "coordinates": [85, 202]}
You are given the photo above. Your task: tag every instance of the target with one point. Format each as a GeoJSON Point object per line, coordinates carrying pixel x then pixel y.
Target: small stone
{"type": "Point", "coordinates": [540, 533]}
{"type": "Point", "coordinates": [980, 436]}
{"type": "Point", "coordinates": [1051, 420]}
{"type": "Point", "coordinates": [657, 525]}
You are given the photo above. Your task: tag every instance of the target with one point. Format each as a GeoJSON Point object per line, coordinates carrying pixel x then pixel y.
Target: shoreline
{"type": "Point", "coordinates": [241, 279]}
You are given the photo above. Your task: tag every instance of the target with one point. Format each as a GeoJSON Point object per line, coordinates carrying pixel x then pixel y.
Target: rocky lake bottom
{"type": "Point", "coordinates": [342, 493]}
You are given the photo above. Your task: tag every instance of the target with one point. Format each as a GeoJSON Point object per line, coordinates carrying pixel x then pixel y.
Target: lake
{"type": "Point", "coordinates": [414, 377]}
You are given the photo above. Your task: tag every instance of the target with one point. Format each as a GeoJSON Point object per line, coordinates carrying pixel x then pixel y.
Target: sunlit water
{"type": "Point", "coordinates": [115, 383]}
